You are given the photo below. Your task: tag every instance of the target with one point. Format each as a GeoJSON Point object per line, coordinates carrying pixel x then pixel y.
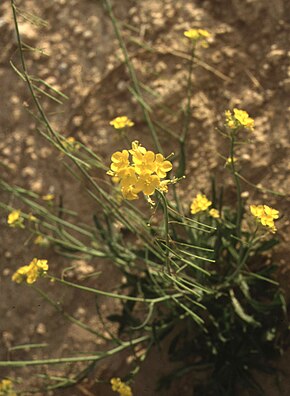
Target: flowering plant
{"type": "Point", "coordinates": [189, 270]}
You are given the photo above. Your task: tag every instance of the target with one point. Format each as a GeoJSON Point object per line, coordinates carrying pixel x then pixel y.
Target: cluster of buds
{"type": "Point", "coordinates": [121, 122]}
{"type": "Point", "coordinates": [200, 203]}
{"type": "Point", "coordinates": [143, 173]}
{"type": "Point", "coordinates": [121, 387]}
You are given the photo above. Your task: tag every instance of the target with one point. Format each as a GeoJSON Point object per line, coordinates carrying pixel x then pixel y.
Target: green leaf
{"type": "Point", "coordinates": [239, 310]}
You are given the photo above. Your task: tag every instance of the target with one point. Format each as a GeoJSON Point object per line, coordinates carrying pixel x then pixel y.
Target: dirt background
{"type": "Point", "coordinates": [247, 65]}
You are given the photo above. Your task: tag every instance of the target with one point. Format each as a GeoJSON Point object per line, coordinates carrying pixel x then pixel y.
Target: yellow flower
{"type": "Point", "coordinates": [244, 119]}
{"type": "Point", "coordinates": [198, 36]}
{"type": "Point", "coordinates": [199, 204]}
{"type": "Point", "coordinates": [214, 213]}
{"type": "Point", "coordinates": [13, 216]}
{"type": "Point", "coordinates": [121, 387]}
{"type": "Point", "coordinates": [143, 174]}
{"type": "Point", "coordinates": [15, 219]}
{"type": "Point", "coordinates": [30, 272]}
{"type": "Point", "coordinates": [121, 122]}
{"type": "Point", "coordinates": [144, 163]}
{"type": "Point", "coordinates": [147, 183]}
{"type": "Point", "coordinates": [257, 210]}
{"type": "Point", "coordinates": [120, 160]}
{"type": "Point", "coordinates": [129, 193]}
{"type": "Point", "coordinates": [271, 212]}
{"type": "Point", "coordinates": [239, 118]}
{"type": "Point", "coordinates": [127, 176]}
{"type": "Point", "coordinates": [162, 166]}
{"type": "Point", "coordinates": [6, 388]}
{"type": "Point", "coordinates": [48, 197]}
{"type": "Point", "coordinates": [266, 215]}
{"type": "Point", "coordinates": [137, 148]}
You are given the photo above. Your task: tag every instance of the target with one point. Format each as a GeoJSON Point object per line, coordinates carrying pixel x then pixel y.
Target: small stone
{"type": "Point", "coordinates": [80, 313]}
{"type": "Point", "coordinates": [63, 66]}
{"type": "Point", "coordinates": [77, 120]}
{"type": "Point", "coordinates": [245, 194]}
{"type": "Point", "coordinates": [78, 30]}
{"type": "Point", "coordinates": [246, 157]}
{"type": "Point", "coordinates": [122, 86]}
{"type": "Point", "coordinates": [87, 34]}
{"type": "Point", "coordinates": [14, 99]}
{"type": "Point", "coordinates": [276, 55]}
{"type": "Point", "coordinates": [41, 329]}
{"type": "Point", "coordinates": [6, 271]}
{"type": "Point", "coordinates": [8, 254]}
{"type": "Point", "coordinates": [8, 338]}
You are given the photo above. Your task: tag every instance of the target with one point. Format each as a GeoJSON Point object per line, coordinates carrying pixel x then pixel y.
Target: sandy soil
{"type": "Point", "coordinates": [247, 64]}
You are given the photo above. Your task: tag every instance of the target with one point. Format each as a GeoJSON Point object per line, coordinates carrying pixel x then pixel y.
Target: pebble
{"type": "Point", "coordinates": [8, 338]}
{"type": "Point", "coordinates": [88, 34]}
{"type": "Point", "coordinates": [41, 329]}
{"type": "Point", "coordinates": [77, 120]}
{"type": "Point", "coordinates": [275, 56]}
{"type": "Point", "coordinates": [122, 86]}
{"type": "Point", "coordinates": [8, 254]}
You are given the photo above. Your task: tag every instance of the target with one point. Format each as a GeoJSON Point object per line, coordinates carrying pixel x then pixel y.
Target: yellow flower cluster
{"type": "Point", "coordinates": [239, 118]}
{"type": "Point", "coordinates": [198, 36]}
{"type": "Point", "coordinates": [121, 387]}
{"type": "Point", "coordinates": [15, 219]}
{"type": "Point", "coordinates": [265, 215]}
{"type": "Point", "coordinates": [6, 388]}
{"type": "Point", "coordinates": [144, 173]}
{"type": "Point", "coordinates": [214, 213]}
{"type": "Point", "coordinates": [30, 272]}
{"type": "Point", "coordinates": [121, 122]}
{"type": "Point", "coordinates": [200, 203]}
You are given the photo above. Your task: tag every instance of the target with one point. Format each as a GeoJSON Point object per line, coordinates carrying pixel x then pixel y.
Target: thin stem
{"type": "Point", "coordinates": [238, 185]}
{"type": "Point", "coordinates": [68, 316]}
{"type": "Point", "coordinates": [242, 260]}
{"type": "Point", "coordinates": [133, 76]}
{"type": "Point", "coordinates": [96, 357]}
{"type": "Point", "coordinates": [166, 229]}
{"type": "Point", "coordinates": [117, 296]}
{"type": "Point", "coordinates": [189, 89]}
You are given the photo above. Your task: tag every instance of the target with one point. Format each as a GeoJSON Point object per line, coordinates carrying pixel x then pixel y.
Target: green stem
{"type": "Point", "coordinates": [96, 357]}
{"type": "Point", "coordinates": [238, 185]}
{"type": "Point", "coordinates": [133, 76]}
{"type": "Point", "coordinates": [117, 296]}
{"type": "Point", "coordinates": [166, 229]}
{"type": "Point", "coordinates": [68, 316]}
{"type": "Point", "coordinates": [242, 260]}
{"type": "Point", "coordinates": [189, 89]}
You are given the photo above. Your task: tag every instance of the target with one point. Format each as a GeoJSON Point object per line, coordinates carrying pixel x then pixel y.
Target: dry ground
{"type": "Point", "coordinates": [247, 64]}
